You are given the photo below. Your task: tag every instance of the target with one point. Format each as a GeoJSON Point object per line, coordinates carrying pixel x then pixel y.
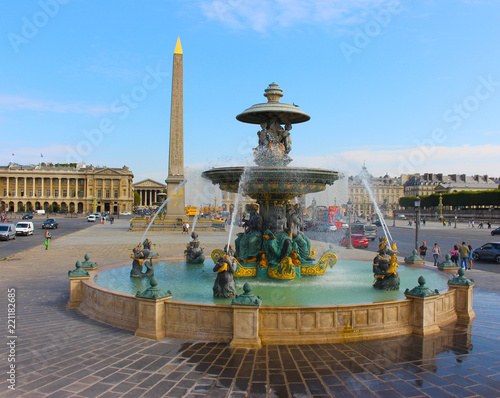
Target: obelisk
{"type": "Point", "coordinates": [176, 204]}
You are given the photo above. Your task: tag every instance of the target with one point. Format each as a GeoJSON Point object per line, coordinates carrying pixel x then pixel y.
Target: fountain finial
{"type": "Point", "coordinates": [273, 93]}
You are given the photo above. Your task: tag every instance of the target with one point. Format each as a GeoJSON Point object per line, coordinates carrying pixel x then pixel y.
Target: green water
{"type": "Point", "coordinates": [349, 282]}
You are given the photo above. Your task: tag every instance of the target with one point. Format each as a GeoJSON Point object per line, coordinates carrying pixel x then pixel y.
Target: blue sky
{"type": "Point", "coordinates": [409, 86]}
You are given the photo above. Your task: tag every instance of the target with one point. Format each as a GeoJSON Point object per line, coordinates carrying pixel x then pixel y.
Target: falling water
{"type": "Point", "coordinates": [377, 210]}
{"type": "Point", "coordinates": [243, 179]}
{"type": "Point", "coordinates": [160, 209]}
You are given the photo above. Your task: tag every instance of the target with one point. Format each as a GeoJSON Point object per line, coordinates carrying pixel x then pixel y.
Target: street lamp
{"type": "Point", "coordinates": [393, 216]}
{"type": "Point", "coordinates": [455, 218]}
{"type": "Point", "coordinates": [417, 220]}
{"type": "Point", "coordinates": [440, 207]}
{"type": "Point", "coordinates": [349, 211]}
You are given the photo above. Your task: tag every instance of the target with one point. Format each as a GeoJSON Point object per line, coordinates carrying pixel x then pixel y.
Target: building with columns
{"type": "Point", "coordinates": [66, 188]}
{"type": "Point", "coordinates": [148, 191]}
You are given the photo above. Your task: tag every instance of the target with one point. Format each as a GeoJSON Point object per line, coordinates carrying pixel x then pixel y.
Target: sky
{"type": "Point", "coordinates": [401, 86]}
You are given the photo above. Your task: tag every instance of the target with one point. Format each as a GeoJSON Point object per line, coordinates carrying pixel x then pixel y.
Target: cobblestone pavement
{"type": "Point", "coordinates": [62, 353]}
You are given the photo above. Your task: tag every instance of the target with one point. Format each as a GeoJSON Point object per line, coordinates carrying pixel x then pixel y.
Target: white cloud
{"type": "Point", "coordinates": [261, 15]}
{"type": "Point", "coordinates": [9, 102]}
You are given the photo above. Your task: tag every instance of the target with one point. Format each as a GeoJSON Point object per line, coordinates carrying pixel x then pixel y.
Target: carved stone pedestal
{"type": "Point", "coordinates": [246, 327]}
{"type": "Point", "coordinates": [463, 297]}
{"type": "Point", "coordinates": [75, 291]}
{"type": "Point", "coordinates": [151, 318]}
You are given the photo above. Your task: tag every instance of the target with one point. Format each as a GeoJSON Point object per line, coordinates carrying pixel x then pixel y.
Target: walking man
{"type": "Point", "coordinates": [47, 237]}
{"type": "Point", "coordinates": [423, 250]}
{"type": "Point", "coordinates": [464, 256]}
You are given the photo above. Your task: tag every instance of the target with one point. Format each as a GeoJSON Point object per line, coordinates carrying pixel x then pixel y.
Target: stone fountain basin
{"type": "Point", "coordinates": [294, 323]}
{"type": "Point", "coordinates": [267, 182]}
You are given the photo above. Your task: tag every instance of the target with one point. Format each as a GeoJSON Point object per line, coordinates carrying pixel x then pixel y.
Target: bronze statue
{"type": "Point", "coordinates": [139, 256]}
{"type": "Point", "coordinates": [301, 243]}
{"type": "Point", "coordinates": [384, 267]}
{"type": "Point", "coordinates": [248, 244]}
{"type": "Point", "coordinates": [194, 253]}
{"type": "Point", "coordinates": [277, 243]}
{"type": "Point", "coordinates": [224, 285]}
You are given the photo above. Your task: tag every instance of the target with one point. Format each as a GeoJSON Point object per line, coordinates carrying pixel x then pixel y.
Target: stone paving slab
{"type": "Point", "coordinates": [62, 353]}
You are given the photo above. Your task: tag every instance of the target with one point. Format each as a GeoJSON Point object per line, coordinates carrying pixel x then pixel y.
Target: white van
{"type": "Point", "coordinates": [40, 211]}
{"type": "Point", "coordinates": [7, 231]}
{"type": "Point", "coordinates": [25, 228]}
{"type": "Point", "coordinates": [91, 218]}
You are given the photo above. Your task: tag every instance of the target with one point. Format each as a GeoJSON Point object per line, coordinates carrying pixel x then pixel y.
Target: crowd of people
{"type": "Point", "coordinates": [460, 254]}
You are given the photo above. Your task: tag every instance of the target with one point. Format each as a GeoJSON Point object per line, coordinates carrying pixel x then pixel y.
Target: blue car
{"type": "Point", "coordinates": [489, 251]}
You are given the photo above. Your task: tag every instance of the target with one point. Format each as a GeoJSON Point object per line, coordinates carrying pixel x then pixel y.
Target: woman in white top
{"type": "Point", "coordinates": [436, 253]}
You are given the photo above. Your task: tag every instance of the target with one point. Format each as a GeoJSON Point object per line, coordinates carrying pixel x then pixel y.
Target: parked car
{"type": "Point", "coordinates": [401, 216]}
{"type": "Point", "coordinates": [378, 223]}
{"type": "Point", "coordinates": [27, 216]}
{"type": "Point", "coordinates": [25, 228]}
{"type": "Point", "coordinates": [7, 231]}
{"type": "Point", "coordinates": [357, 240]}
{"type": "Point", "coordinates": [91, 218]}
{"type": "Point", "coordinates": [126, 213]}
{"type": "Point", "coordinates": [496, 231]}
{"type": "Point", "coordinates": [50, 223]}
{"type": "Point", "coordinates": [489, 251]}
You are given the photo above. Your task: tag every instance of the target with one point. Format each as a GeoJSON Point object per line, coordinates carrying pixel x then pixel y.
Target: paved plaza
{"type": "Point", "coordinates": [62, 353]}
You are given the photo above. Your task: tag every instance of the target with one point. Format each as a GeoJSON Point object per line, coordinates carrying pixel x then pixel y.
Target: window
{"type": "Point", "coordinates": [72, 193]}
{"type": "Point", "coordinates": [98, 193]}
{"type": "Point", "coordinates": [38, 192]}
{"type": "Point", "coordinates": [48, 192]}
{"type": "Point", "coordinates": [65, 193]}
{"type": "Point", "coordinates": [107, 193]}
{"type": "Point", "coordinates": [80, 194]}
{"type": "Point", "coordinates": [108, 181]}
{"type": "Point", "coordinates": [5, 192]}
{"type": "Point", "coordinates": [13, 192]}
{"type": "Point", "coordinates": [116, 194]}
{"type": "Point", "coordinates": [56, 193]}
{"type": "Point", "coordinates": [31, 192]}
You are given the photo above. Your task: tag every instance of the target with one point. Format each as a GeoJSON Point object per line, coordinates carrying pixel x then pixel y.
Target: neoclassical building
{"type": "Point", "coordinates": [148, 191]}
{"type": "Point", "coordinates": [384, 191]}
{"type": "Point", "coordinates": [68, 188]}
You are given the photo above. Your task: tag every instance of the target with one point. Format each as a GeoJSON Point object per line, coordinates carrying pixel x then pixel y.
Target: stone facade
{"type": "Point", "coordinates": [386, 191]}
{"type": "Point", "coordinates": [148, 191]}
{"type": "Point", "coordinates": [65, 188]}
{"type": "Point", "coordinates": [429, 183]}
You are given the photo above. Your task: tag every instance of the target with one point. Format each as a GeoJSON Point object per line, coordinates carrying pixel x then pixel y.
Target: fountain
{"type": "Point", "coordinates": [272, 255]}
{"type": "Point", "coordinates": [273, 244]}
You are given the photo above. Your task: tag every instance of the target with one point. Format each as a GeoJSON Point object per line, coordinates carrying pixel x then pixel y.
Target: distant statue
{"type": "Point", "coordinates": [225, 267]}
{"type": "Point", "coordinates": [274, 143]}
{"type": "Point", "coordinates": [248, 244]}
{"type": "Point", "coordinates": [301, 243]}
{"type": "Point", "coordinates": [194, 253]}
{"type": "Point", "coordinates": [277, 243]}
{"type": "Point", "coordinates": [286, 138]}
{"type": "Point", "coordinates": [384, 267]}
{"type": "Point", "coordinates": [139, 255]}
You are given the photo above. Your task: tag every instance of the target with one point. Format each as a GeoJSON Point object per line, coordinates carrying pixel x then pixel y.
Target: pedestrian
{"type": "Point", "coordinates": [423, 250]}
{"type": "Point", "coordinates": [184, 229]}
{"type": "Point", "coordinates": [112, 220]}
{"type": "Point", "coordinates": [187, 228]}
{"type": "Point", "coordinates": [436, 253]}
{"type": "Point", "coordinates": [454, 254]}
{"type": "Point", "coordinates": [470, 257]}
{"type": "Point", "coordinates": [47, 237]}
{"type": "Point", "coordinates": [423, 221]}
{"type": "Point", "coordinates": [464, 256]}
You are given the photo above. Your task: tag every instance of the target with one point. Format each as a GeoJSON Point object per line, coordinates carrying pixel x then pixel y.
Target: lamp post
{"type": "Point", "coordinates": [417, 220]}
{"type": "Point", "coordinates": [393, 216]}
{"type": "Point", "coordinates": [455, 219]}
{"type": "Point", "coordinates": [349, 211]}
{"type": "Point", "coordinates": [440, 207]}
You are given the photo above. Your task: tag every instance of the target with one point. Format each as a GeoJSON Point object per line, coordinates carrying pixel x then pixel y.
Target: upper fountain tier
{"type": "Point", "coordinates": [262, 113]}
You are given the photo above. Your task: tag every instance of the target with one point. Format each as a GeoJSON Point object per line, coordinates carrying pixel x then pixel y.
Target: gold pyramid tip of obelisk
{"type": "Point", "coordinates": [178, 47]}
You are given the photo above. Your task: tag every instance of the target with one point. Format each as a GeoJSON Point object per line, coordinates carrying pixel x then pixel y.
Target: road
{"type": "Point", "coordinates": [433, 232]}
{"type": "Point", "coordinates": [67, 225]}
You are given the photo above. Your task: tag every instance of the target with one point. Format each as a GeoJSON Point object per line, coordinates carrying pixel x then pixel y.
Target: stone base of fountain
{"type": "Point", "coordinates": [142, 223]}
{"type": "Point", "coordinates": [272, 325]}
